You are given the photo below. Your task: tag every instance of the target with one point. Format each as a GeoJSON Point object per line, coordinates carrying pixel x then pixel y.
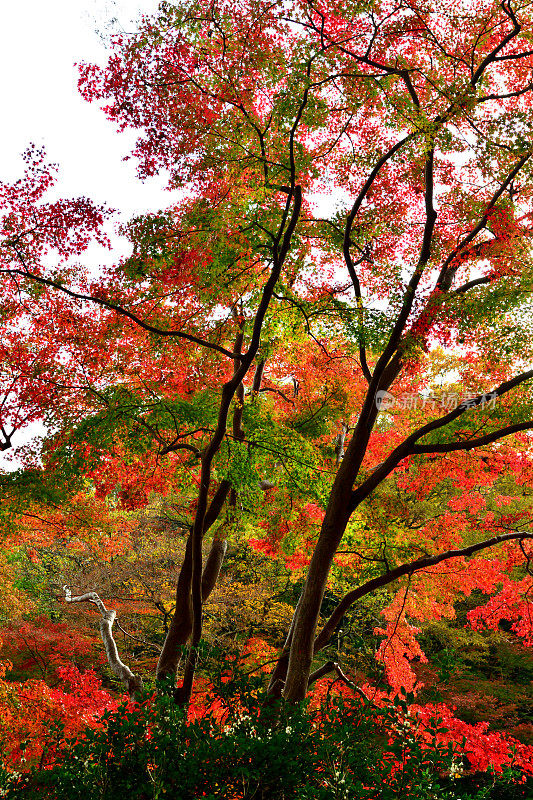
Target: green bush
{"type": "Point", "coordinates": [249, 750]}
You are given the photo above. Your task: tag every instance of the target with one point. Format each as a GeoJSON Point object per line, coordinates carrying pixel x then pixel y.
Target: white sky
{"type": "Point", "coordinates": [40, 41]}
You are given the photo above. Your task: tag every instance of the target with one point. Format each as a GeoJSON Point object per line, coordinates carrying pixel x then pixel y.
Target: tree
{"type": "Point", "coordinates": [245, 320]}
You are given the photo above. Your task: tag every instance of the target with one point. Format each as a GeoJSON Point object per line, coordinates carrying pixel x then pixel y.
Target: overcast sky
{"type": "Point", "coordinates": [40, 42]}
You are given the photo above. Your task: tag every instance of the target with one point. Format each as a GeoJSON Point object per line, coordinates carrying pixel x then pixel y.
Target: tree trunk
{"type": "Point", "coordinates": [180, 628]}
{"type": "Point", "coordinates": [338, 512]}
{"type": "Point", "coordinates": [306, 617]}
{"type": "Point", "coordinates": [181, 623]}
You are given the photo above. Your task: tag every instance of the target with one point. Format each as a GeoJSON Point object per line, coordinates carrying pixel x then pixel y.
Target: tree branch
{"type": "Point", "coordinates": [347, 242]}
{"type": "Point", "coordinates": [333, 666]}
{"type": "Point", "coordinates": [469, 444]}
{"type": "Point", "coordinates": [132, 682]}
{"type": "Point", "coordinates": [119, 310]}
{"type": "Point", "coordinates": [405, 569]}
{"type": "Point", "coordinates": [407, 447]}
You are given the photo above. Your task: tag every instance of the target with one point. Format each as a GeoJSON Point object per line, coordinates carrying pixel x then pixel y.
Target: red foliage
{"type": "Point", "coordinates": [77, 701]}
{"type": "Point", "coordinates": [44, 647]}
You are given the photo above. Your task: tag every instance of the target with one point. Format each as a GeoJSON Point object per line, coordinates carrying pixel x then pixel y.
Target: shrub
{"type": "Point", "coordinates": [345, 750]}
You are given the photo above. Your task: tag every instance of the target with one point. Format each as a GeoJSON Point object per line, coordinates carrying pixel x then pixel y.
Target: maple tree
{"type": "Point", "coordinates": [285, 371]}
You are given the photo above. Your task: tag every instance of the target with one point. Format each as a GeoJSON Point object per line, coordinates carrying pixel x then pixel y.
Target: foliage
{"type": "Point", "coordinates": [261, 375]}
{"type": "Point", "coordinates": [32, 713]}
{"type": "Point", "coordinates": [43, 647]}
{"type": "Point", "coordinates": [346, 750]}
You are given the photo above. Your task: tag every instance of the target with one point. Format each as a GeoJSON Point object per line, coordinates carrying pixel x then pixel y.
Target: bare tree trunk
{"type": "Point", "coordinates": [339, 509]}
{"type": "Point", "coordinates": [213, 565]}
{"type": "Point", "coordinates": [181, 625]}
{"type": "Point", "coordinates": [302, 645]}
{"type": "Point", "coordinates": [279, 673]}
{"type": "Point", "coordinates": [339, 443]}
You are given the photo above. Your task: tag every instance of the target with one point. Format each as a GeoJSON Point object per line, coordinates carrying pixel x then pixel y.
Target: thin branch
{"type": "Point", "coordinates": [469, 444]}
{"type": "Point", "coordinates": [347, 242]}
{"type": "Point", "coordinates": [448, 271]}
{"type": "Point", "coordinates": [408, 568]}
{"type": "Point", "coordinates": [492, 56]}
{"type": "Point", "coordinates": [136, 638]}
{"type": "Point", "coordinates": [119, 310]}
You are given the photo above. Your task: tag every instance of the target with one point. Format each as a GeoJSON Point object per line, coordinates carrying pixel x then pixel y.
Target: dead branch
{"type": "Point", "coordinates": [132, 682]}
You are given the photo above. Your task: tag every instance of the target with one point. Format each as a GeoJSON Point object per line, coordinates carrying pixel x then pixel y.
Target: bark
{"type": "Point", "coordinates": [339, 443]}
{"type": "Point", "coordinates": [198, 586]}
{"type": "Point", "coordinates": [277, 678]}
{"type": "Point", "coordinates": [181, 624]}
{"type": "Point", "coordinates": [258, 377]}
{"type": "Point", "coordinates": [339, 509]}
{"type": "Point", "coordinates": [213, 565]}
{"type": "Point", "coordinates": [180, 628]}
{"type": "Point", "coordinates": [302, 645]}
{"type": "Point", "coordinates": [132, 683]}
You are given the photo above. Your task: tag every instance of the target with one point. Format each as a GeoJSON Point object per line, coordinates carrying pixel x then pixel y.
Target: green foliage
{"type": "Point", "coordinates": [21, 487]}
{"type": "Point", "coordinates": [239, 748]}
{"type": "Point", "coordinates": [128, 417]}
